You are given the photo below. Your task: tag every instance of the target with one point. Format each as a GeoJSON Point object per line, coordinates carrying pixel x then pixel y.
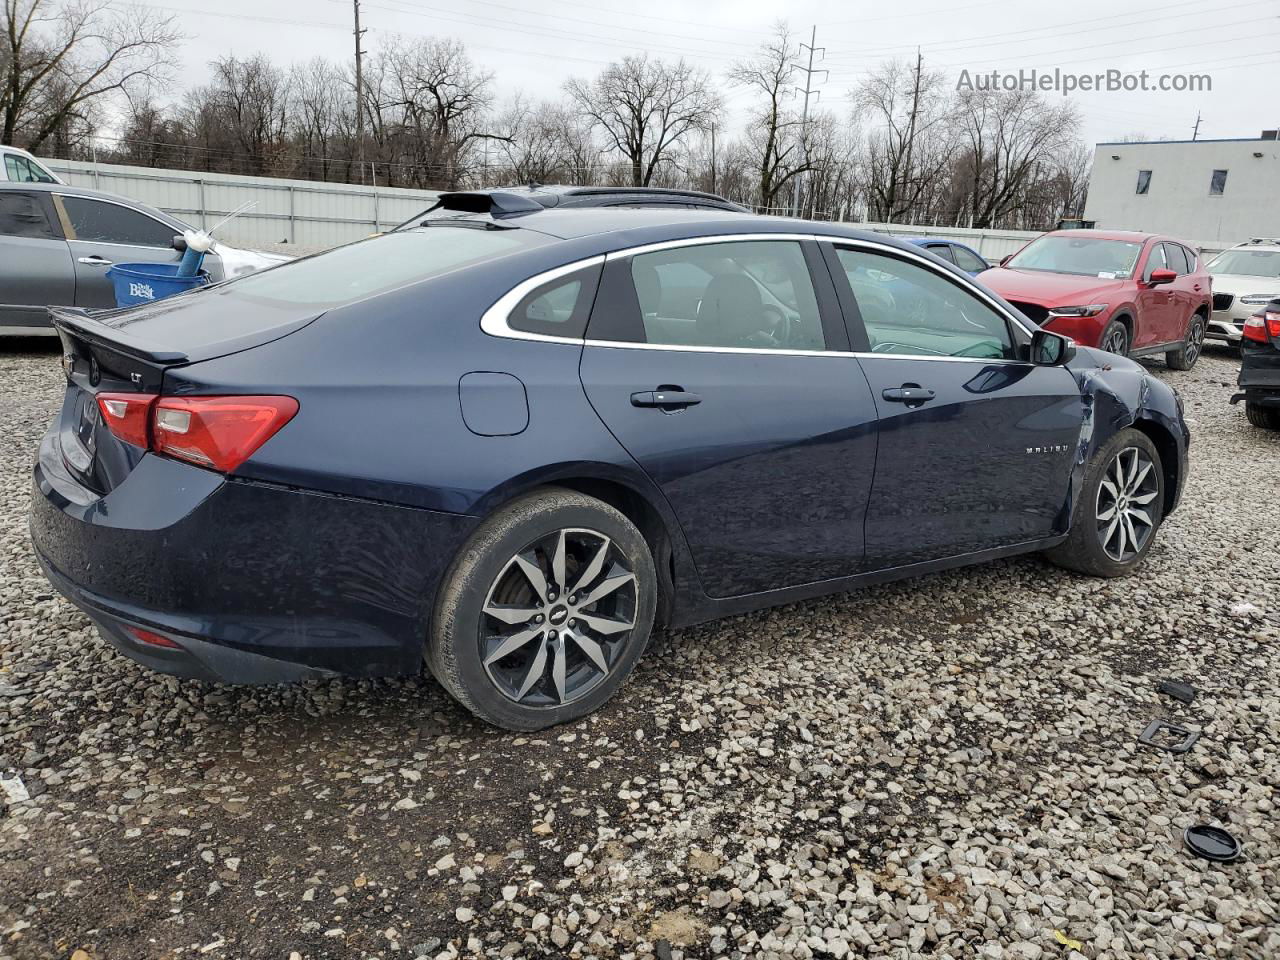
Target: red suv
{"type": "Point", "coordinates": [1135, 294]}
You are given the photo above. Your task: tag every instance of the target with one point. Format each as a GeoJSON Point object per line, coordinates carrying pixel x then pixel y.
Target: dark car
{"type": "Point", "coordinates": [1259, 378]}
{"type": "Point", "coordinates": [1134, 294]}
{"type": "Point", "coordinates": [515, 445]}
{"type": "Point", "coordinates": [537, 196]}
{"type": "Point", "coordinates": [966, 258]}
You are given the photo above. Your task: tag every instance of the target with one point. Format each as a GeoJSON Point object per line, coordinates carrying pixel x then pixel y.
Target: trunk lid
{"type": "Point", "coordinates": [129, 350]}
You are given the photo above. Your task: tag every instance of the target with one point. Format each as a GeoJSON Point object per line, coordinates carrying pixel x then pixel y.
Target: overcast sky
{"type": "Point", "coordinates": [534, 46]}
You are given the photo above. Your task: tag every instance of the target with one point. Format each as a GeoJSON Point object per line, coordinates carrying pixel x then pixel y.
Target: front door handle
{"type": "Point", "coordinates": [910, 394]}
{"type": "Point", "coordinates": [665, 399]}
{"type": "Point", "coordinates": [95, 261]}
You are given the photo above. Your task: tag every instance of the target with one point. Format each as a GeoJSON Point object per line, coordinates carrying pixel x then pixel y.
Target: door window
{"type": "Point", "coordinates": [22, 216]}
{"type": "Point", "coordinates": [102, 222]}
{"type": "Point", "coordinates": [21, 170]}
{"type": "Point", "coordinates": [742, 295]}
{"type": "Point", "coordinates": [1155, 261]}
{"type": "Point", "coordinates": [942, 250]}
{"type": "Point", "coordinates": [1176, 258]}
{"type": "Point", "coordinates": [968, 261]}
{"type": "Point", "coordinates": [910, 310]}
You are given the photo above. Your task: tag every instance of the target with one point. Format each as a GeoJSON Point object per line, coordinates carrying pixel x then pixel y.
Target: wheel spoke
{"type": "Point", "coordinates": [557, 563]}
{"type": "Point", "coordinates": [591, 649]}
{"type": "Point", "coordinates": [605, 625]}
{"type": "Point", "coordinates": [1137, 481]}
{"type": "Point", "coordinates": [1127, 525]}
{"type": "Point", "coordinates": [592, 569]}
{"type": "Point", "coordinates": [1141, 515]}
{"type": "Point", "coordinates": [1143, 498]}
{"type": "Point", "coordinates": [1121, 536]}
{"type": "Point", "coordinates": [1111, 529]}
{"type": "Point", "coordinates": [1108, 513]}
{"type": "Point", "coordinates": [535, 671]}
{"type": "Point", "coordinates": [1110, 487]}
{"type": "Point", "coordinates": [513, 643]}
{"type": "Point", "coordinates": [511, 615]}
{"type": "Point", "coordinates": [558, 667]}
{"type": "Point", "coordinates": [605, 587]}
{"type": "Point", "coordinates": [537, 579]}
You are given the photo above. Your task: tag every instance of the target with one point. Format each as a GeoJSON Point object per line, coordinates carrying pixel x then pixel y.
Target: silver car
{"type": "Point", "coordinates": [56, 243]}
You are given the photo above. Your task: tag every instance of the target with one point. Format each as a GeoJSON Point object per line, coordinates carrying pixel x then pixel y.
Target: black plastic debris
{"type": "Point", "coordinates": [1211, 843]}
{"type": "Point", "coordinates": [662, 950]}
{"type": "Point", "coordinates": [1184, 692]}
{"type": "Point", "coordinates": [1158, 732]}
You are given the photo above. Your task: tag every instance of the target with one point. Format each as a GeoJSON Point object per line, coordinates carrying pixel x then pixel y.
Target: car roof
{"type": "Point", "coordinates": [558, 195]}
{"type": "Point", "coordinates": [1131, 236]}
{"type": "Point", "coordinates": [74, 191]}
{"type": "Point", "coordinates": [921, 241]}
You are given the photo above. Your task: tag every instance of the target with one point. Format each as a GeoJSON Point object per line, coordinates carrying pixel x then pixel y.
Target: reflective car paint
{"type": "Point", "coordinates": [326, 548]}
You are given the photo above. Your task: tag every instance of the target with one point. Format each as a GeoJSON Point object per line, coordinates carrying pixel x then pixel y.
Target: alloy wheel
{"type": "Point", "coordinates": [1117, 341]}
{"type": "Point", "coordinates": [1195, 340]}
{"type": "Point", "coordinates": [558, 617]}
{"type": "Point", "coordinates": [1124, 505]}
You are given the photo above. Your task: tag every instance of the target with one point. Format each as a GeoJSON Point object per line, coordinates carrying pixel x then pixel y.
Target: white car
{"type": "Point", "coordinates": [1244, 278]}
{"type": "Point", "coordinates": [18, 166]}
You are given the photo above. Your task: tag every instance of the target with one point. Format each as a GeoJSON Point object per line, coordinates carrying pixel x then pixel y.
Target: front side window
{"type": "Point", "coordinates": [22, 216]}
{"type": "Point", "coordinates": [101, 222]}
{"type": "Point", "coordinates": [744, 295]}
{"type": "Point", "coordinates": [1144, 182]}
{"type": "Point", "coordinates": [1078, 256]}
{"type": "Point", "coordinates": [910, 310]}
{"type": "Point", "coordinates": [1218, 183]}
{"type": "Point", "coordinates": [21, 170]}
{"type": "Point", "coordinates": [1155, 261]}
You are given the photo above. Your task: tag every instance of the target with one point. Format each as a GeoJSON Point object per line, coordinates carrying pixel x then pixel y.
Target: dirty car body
{"type": "Point", "coordinates": [442, 372]}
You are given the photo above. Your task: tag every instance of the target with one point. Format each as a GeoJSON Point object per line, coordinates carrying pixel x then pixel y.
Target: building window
{"type": "Point", "coordinates": [1144, 182]}
{"type": "Point", "coordinates": [1218, 183]}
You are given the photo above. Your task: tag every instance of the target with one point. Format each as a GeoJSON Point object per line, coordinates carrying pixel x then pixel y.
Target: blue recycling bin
{"type": "Point", "coordinates": [137, 283]}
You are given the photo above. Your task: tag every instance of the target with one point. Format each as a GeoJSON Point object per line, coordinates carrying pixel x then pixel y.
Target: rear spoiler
{"type": "Point", "coordinates": [79, 323]}
{"type": "Point", "coordinates": [493, 202]}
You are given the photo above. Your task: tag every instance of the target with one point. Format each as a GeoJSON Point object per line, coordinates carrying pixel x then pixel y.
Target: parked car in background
{"type": "Point", "coordinates": [514, 445]}
{"type": "Point", "coordinates": [1245, 277]}
{"type": "Point", "coordinates": [1259, 377]}
{"type": "Point", "coordinates": [966, 258]}
{"type": "Point", "coordinates": [18, 166]}
{"type": "Point", "coordinates": [1134, 294]}
{"type": "Point", "coordinates": [538, 196]}
{"type": "Point", "coordinates": [56, 243]}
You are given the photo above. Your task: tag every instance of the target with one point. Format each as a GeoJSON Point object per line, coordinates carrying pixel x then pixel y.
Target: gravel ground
{"type": "Point", "coordinates": [943, 767]}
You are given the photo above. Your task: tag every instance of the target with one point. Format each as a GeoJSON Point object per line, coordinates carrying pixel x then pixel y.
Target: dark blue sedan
{"type": "Point", "coordinates": [515, 445]}
{"type": "Point", "coordinates": [966, 258]}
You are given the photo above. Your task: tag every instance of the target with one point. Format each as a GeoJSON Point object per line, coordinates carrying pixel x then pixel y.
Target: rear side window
{"type": "Point", "coordinates": [100, 222]}
{"type": "Point", "coordinates": [740, 295]}
{"type": "Point", "coordinates": [967, 260]}
{"type": "Point", "coordinates": [359, 270]}
{"type": "Point", "coordinates": [909, 310]}
{"type": "Point", "coordinates": [22, 170]}
{"type": "Point", "coordinates": [942, 250]}
{"type": "Point", "coordinates": [21, 215]}
{"type": "Point", "coordinates": [559, 308]}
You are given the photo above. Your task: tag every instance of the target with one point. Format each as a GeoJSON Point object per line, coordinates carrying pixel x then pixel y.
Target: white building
{"type": "Point", "coordinates": [1212, 191]}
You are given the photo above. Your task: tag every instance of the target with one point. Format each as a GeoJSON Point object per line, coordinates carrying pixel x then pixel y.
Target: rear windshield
{"type": "Point", "coordinates": [1083, 256]}
{"type": "Point", "coordinates": [359, 270]}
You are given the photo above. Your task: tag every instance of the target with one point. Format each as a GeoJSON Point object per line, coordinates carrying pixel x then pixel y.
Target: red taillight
{"type": "Point", "coordinates": [154, 639]}
{"type": "Point", "coordinates": [217, 432]}
{"type": "Point", "coordinates": [1273, 322]}
{"type": "Point", "coordinates": [127, 415]}
{"type": "Point", "coordinates": [1255, 329]}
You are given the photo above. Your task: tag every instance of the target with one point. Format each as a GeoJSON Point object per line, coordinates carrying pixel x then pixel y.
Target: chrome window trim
{"type": "Point", "coordinates": [494, 321]}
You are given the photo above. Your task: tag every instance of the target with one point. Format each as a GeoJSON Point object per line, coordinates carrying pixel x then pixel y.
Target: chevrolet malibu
{"type": "Point", "coordinates": [513, 446]}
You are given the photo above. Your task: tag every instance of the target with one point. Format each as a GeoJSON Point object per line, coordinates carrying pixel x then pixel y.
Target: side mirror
{"type": "Point", "coordinates": [1160, 276]}
{"type": "Point", "coordinates": [1050, 349]}
{"type": "Point", "coordinates": [1005, 259]}
{"type": "Point", "coordinates": [179, 243]}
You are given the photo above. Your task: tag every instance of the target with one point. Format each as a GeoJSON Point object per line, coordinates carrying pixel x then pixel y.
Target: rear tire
{"type": "Point", "coordinates": [544, 612]}
{"type": "Point", "coordinates": [1185, 357]}
{"type": "Point", "coordinates": [1115, 338]}
{"type": "Point", "coordinates": [1266, 417]}
{"type": "Point", "coordinates": [1124, 482]}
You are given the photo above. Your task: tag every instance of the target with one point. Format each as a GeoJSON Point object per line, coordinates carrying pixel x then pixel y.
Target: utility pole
{"type": "Point", "coordinates": [359, 94]}
{"type": "Point", "coordinates": [713, 158]}
{"type": "Point", "coordinates": [1196, 131]}
{"type": "Point", "coordinates": [808, 72]}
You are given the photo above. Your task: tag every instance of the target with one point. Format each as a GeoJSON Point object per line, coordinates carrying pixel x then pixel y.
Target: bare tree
{"type": "Point", "coordinates": [60, 60]}
{"type": "Point", "coordinates": [646, 107]}
{"type": "Point", "coordinates": [910, 146]}
{"type": "Point", "coordinates": [775, 135]}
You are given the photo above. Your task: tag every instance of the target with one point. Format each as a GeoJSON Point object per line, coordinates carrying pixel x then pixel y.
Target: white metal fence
{"type": "Point", "coordinates": [303, 212]}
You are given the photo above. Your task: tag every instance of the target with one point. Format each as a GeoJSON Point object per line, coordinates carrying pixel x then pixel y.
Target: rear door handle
{"type": "Point", "coordinates": [665, 399]}
{"type": "Point", "coordinates": [95, 261]}
{"type": "Point", "coordinates": [907, 394]}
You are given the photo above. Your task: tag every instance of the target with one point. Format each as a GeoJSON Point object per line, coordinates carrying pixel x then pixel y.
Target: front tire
{"type": "Point", "coordinates": [1185, 357]}
{"type": "Point", "coordinates": [1266, 417]}
{"type": "Point", "coordinates": [545, 611]}
{"type": "Point", "coordinates": [1115, 338]}
{"type": "Point", "coordinates": [1119, 510]}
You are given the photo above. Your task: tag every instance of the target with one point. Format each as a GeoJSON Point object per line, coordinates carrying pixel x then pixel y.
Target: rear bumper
{"type": "Point", "coordinates": [1259, 370]}
{"type": "Point", "coordinates": [255, 582]}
